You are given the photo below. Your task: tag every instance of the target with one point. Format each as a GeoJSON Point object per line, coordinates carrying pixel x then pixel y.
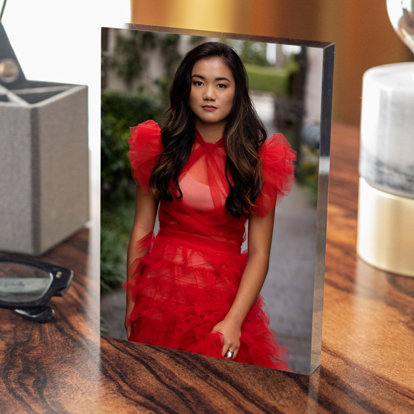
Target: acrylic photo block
{"type": "Point", "coordinates": [293, 291]}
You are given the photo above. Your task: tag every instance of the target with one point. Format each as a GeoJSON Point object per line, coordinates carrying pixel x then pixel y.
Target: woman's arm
{"type": "Point", "coordinates": [144, 220]}
{"type": "Point", "coordinates": [259, 244]}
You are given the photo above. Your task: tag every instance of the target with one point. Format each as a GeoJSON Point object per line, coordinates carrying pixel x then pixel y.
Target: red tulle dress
{"type": "Point", "coordinates": [186, 282]}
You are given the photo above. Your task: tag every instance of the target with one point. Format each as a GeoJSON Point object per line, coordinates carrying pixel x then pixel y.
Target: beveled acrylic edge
{"type": "Point", "coordinates": [322, 204]}
{"type": "Point", "coordinates": [237, 36]}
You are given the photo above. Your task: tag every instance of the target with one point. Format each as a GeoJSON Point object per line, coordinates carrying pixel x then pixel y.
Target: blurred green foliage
{"type": "Point", "coordinates": [119, 111]}
{"type": "Point", "coordinates": [127, 57]}
{"type": "Point", "coordinates": [132, 52]}
{"type": "Point", "coordinates": [116, 224]}
{"type": "Point", "coordinates": [307, 173]}
{"type": "Point", "coordinates": [274, 80]}
{"type": "Point", "coordinates": [250, 52]}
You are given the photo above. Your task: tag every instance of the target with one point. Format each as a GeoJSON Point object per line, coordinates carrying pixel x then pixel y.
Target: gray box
{"type": "Point", "coordinates": [44, 167]}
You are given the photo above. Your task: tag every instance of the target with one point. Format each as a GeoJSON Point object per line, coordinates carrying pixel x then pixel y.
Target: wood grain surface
{"type": "Point", "coordinates": [367, 344]}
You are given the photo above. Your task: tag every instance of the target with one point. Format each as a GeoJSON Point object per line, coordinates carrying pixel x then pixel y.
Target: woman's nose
{"type": "Point", "coordinates": [209, 93]}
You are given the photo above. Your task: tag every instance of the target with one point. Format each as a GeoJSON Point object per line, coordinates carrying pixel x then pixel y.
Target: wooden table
{"type": "Point", "coordinates": [367, 353]}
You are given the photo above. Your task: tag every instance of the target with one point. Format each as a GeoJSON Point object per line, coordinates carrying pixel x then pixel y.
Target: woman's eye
{"type": "Point", "coordinates": [197, 83]}
{"type": "Point", "coordinates": [222, 86]}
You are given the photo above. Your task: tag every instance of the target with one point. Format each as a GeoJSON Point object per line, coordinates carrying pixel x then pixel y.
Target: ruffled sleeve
{"type": "Point", "coordinates": [144, 148]}
{"type": "Point", "coordinates": [277, 159]}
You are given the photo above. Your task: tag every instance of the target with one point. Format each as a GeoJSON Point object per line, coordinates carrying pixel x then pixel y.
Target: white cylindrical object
{"type": "Point", "coordinates": [386, 166]}
{"type": "Point", "coordinates": [387, 128]}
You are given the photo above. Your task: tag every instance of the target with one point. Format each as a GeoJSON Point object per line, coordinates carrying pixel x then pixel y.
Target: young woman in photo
{"type": "Point", "coordinates": [207, 171]}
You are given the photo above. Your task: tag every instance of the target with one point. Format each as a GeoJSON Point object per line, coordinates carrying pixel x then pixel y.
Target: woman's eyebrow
{"type": "Point", "coordinates": [217, 79]}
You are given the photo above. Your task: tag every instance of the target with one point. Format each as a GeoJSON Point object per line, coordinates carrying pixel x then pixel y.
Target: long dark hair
{"type": "Point", "coordinates": [244, 134]}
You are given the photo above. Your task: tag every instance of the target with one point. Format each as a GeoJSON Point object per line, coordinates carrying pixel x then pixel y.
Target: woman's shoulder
{"type": "Point", "coordinates": [145, 136]}
{"type": "Point", "coordinates": [149, 127]}
{"type": "Point", "coordinates": [277, 145]}
{"type": "Point", "coordinates": [145, 147]}
{"type": "Point", "coordinates": [277, 154]}
{"type": "Point", "coordinates": [277, 158]}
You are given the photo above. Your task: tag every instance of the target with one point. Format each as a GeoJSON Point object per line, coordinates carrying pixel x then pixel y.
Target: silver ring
{"type": "Point", "coordinates": [229, 354]}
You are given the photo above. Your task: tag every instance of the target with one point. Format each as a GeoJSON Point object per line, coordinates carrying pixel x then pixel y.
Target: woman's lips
{"type": "Point", "coordinates": [209, 108]}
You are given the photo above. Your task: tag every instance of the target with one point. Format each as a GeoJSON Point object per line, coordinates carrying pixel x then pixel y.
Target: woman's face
{"type": "Point", "coordinates": [212, 91]}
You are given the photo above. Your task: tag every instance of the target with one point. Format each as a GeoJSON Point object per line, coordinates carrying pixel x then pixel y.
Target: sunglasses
{"type": "Point", "coordinates": [27, 285]}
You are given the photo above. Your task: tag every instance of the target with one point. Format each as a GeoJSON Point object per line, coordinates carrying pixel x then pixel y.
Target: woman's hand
{"type": "Point", "coordinates": [231, 336]}
{"type": "Point", "coordinates": [128, 329]}
{"type": "Point", "coordinates": [128, 310]}
{"type": "Point", "coordinates": [254, 274]}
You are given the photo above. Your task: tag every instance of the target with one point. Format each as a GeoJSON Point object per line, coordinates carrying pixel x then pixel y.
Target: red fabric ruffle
{"type": "Point", "coordinates": [181, 293]}
{"type": "Point", "coordinates": [277, 159]}
{"type": "Point", "coordinates": [145, 147]}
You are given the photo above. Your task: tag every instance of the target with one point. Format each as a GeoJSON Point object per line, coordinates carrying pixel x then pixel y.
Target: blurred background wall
{"type": "Point", "coordinates": [360, 29]}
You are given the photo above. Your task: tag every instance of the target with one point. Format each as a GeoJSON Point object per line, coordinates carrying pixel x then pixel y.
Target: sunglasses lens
{"type": "Point", "coordinates": [21, 283]}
